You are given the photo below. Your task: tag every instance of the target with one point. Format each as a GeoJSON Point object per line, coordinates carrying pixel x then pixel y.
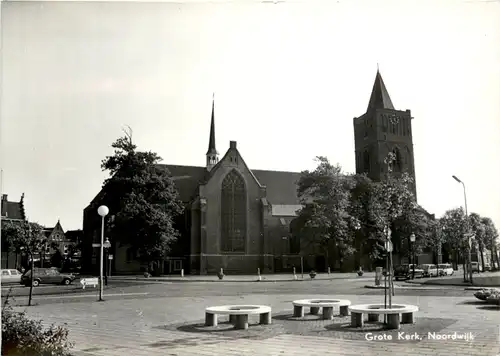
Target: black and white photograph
{"type": "Point", "coordinates": [250, 177]}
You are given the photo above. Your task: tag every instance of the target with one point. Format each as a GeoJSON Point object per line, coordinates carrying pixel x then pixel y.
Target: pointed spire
{"type": "Point", "coordinates": [211, 142]}
{"type": "Point", "coordinates": [380, 98]}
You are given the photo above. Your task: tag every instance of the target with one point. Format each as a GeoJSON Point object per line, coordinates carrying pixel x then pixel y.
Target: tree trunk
{"type": "Point", "coordinates": [492, 255]}
{"type": "Point", "coordinates": [15, 262]}
{"type": "Point", "coordinates": [497, 258]}
{"type": "Point", "coordinates": [7, 259]}
{"type": "Point", "coordinates": [31, 279]}
{"type": "Point", "coordinates": [327, 262]}
{"type": "Point", "coordinates": [481, 250]}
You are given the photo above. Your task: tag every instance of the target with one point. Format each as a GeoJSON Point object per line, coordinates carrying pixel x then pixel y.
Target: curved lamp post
{"type": "Point", "coordinates": [412, 239]}
{"type": "Point", "coordinates": [102, 211]}
{"type": "Point", "coordinates": [469, 265]}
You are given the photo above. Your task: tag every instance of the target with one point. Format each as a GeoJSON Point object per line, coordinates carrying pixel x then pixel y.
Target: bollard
{"type": "Point", "coordinates": [328, 270]}
{"type": "Point", "coordinates": [258, 274]}
{"type": "Point", "coordinates": [222, 271]}
{"type": "Point", "coordinates": [182, 272]}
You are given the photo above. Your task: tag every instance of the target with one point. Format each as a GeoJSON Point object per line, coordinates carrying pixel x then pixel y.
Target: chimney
{"type": "Point", "coordinates": [232, 144]}
{"type": "Point", "coordinates": [4, 197]}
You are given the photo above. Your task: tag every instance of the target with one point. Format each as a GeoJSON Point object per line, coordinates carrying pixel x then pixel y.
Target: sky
{"type": "Point", "coordinates": [288, 79]}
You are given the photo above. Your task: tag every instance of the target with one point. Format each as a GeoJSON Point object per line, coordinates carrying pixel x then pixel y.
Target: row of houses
{"type": "Point", "coordinates": [59, 242]}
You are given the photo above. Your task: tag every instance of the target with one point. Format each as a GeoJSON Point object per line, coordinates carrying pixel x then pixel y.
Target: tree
{"type": "Point", "coordinates": [364, 209]}
{"type": "Point", "coordinates": [324, 219]}
{"type": "Point", "coordinates": [27, 237]}
{"type": "Point", "coordinates": [56, 259]}
{"type": "Point", "coordinates": [454, 226]}
{"type": "Point", "coordinates": [143, 200]}
{"type": "Point", "coordinates": [477, 228]}
{"type": "Point", "coordinates": [8, 234]}
{"type": "Point", "coordinates": [395, 195]}
{"type": "Point", "coordinates": [415, 220]}
{"type": "Point", "coordinates": [490, 240]}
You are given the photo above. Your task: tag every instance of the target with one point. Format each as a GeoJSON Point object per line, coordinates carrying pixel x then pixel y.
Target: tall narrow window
{"type": "Point", "coordinates": [233, 213]}
{"type": "Point", "coordinates": [366, 161]}
{"type": "Point", "coordinates": [397, 164]}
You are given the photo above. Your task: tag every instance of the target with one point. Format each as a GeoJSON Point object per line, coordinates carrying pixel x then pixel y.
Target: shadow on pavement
{"type": "Point", "coordinates": [307, 317]}
{"type": "Point", "coordinates": [473, 302]}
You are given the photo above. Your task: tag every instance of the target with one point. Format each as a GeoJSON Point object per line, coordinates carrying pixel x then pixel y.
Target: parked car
{"type": "Point", "coordinates": [445, 269]}
{"type": "Point", "coordinates": [47, 276]}
{"type": "Point", "coordinates": [405, 272]}
{"type": "Point", "coordinates": [11, 276]}
{"type": "Point", "coordinates": [476, 268]}
{"type": "Point", "coordinates": [430, 270]}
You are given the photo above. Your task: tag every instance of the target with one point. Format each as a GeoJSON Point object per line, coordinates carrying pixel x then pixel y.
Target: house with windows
{"type": "Point", "coordinates": [11, 211]}
{"type": "Point", "coordinates": [57, 240]}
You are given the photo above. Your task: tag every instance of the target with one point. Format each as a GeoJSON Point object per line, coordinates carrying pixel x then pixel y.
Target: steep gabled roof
{"type": "Point", "coordinates": [379, 98]}
{"type": "Point", "coordinates": [186, 178]}
{"type": "Point", "coordinates": [281, 186]}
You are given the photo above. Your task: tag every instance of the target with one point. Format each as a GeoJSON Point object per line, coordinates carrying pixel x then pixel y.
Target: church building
{"type": "Point", "coordinates": [238, 218]}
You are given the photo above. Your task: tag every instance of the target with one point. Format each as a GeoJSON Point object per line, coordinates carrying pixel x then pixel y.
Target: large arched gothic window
{"type": "Point", "coordinates": [233, 213]}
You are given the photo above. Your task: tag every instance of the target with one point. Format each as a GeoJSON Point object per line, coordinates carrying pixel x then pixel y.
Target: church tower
{"type": "Point", "coordinates": [212, 154]}
{"type": "Point", "coordinates": [383, 129]}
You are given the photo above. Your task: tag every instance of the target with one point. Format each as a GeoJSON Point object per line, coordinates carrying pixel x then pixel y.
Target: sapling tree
{"type": "Point", "coordinates": [29, 238]}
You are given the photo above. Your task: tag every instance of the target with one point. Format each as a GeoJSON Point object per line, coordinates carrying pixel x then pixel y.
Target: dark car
{"type": "Point", "coordinates": [405, 272]}
{"type": "Point", "coordinates": [47, 276]}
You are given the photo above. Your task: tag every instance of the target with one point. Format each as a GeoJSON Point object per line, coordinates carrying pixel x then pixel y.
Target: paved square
{"type": "Point", "coordinates": [173, 326]}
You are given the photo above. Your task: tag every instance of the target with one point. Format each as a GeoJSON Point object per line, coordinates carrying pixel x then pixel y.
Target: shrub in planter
{"type": "Point", "coordinates": [360, 272]}
{"type": "Point", "coordinates": [22, 336]}
{"type": "Point", "coordinates": [494, 298]}
{"type": "Point", "coordinates": [220, 275]}
{"type": "Point", "coordinates": [312, 274]}
{"type": "Point", "coordinates": [484, 293]}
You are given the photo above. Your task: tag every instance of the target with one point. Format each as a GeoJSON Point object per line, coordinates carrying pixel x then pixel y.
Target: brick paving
{"type": "Point", "coordinates": [172, 326]}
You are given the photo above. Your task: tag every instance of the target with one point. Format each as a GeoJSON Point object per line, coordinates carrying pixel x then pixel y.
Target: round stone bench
{"type": "Point", "coordinates": [375, 310]}
{"type": "Point", "coordinates": [326, 304]}
{"type": "Point", "coordinates": [238, 314]}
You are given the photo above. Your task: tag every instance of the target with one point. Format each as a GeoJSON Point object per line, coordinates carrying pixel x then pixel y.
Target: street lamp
{"type": "Point", "coordinates": [102, 211]}
{"type": "Point", "coordinates": [467, 234]}
{"type": "Point", "coordinates": [412, 239]}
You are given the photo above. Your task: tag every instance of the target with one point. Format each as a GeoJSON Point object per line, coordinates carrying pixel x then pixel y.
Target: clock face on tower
{"type": "Point", "coordinates": [394, 119]}
{"type": "Point", "coordinates": [391, 118]}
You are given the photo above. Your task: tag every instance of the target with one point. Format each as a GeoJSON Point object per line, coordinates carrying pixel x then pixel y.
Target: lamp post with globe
{"type": "Point", "coordinates": [102, 211]}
